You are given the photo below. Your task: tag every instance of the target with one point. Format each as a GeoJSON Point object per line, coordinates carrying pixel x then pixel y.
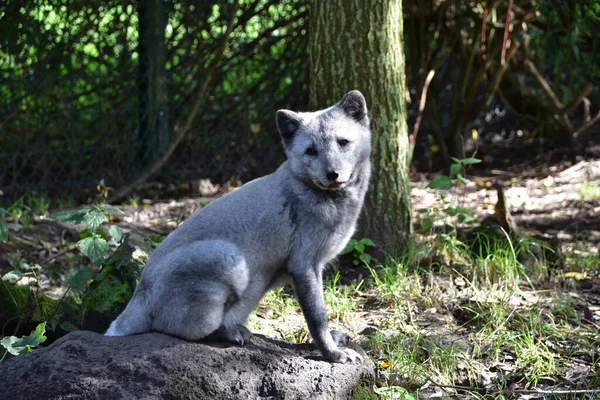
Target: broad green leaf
{"type": "Point", "coordinates": [465, 210]}
{"type": "Point", "coordinates": [468, 161]}
{"type": "Point", "coordinates": [115, 232]}
{"type": "Point", "coordinates": [470, 220]}
{"type": "Point", "coordinates": [367, 242]}
{"type": "Point", "coordinates": [53, 323]}
{"type": "Point", "coordinates": [15, 274]}
{"type": "Point", "coordinates": [94, 219]}
{"type": "Point", "coordinates": [349, 249]}
{"type": "Point", "coordinates": [426, 223]}
{"type": "Point", "coordinates": [3, 211]}
{"type": "Point", "coordinates": [455, 169]}
{"type": "Point", "coordinates": [68, 326]}
{"type": "Point", "coordinates": [15, 345]}
{"type": "Point", "coordinates": [8, 343]}
{"type": "Point", "coordinates": [462, 179]}
{"type": "Point", "coordinates": [456, 160]}
{"type": "Point", "coordinates": [359, 247]}
{"type": "Point", "coordinates": [3, 231]}
{"type": "Point", "coordinates": [100, 232]}
{"type": "Point", "coordinates": [112, 210]}
{"type": "Point", "coordinates": [451, 211]}
{"type": "Point", "coordinates": [94, 248]}
{"type": "Point", "coordinates": [440, 182]}
{"type": "Point", "coordinates": [366, 258]}
{"type": "Point", "coordinates": [35, 337]}
{"type": "Point", "coordinates": [73, 217]}
{"type": "Point", "coordinates": [78, 278]}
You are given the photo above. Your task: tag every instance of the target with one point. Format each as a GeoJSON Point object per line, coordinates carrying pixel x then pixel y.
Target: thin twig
{"type": "Point", "coordinates": [506, 29]}
{"type": "Point", "coordinates": [422, 101]}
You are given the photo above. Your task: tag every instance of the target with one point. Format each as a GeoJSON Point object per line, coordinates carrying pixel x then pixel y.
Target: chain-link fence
{"type": "Point", "coordinates": [98, 89]}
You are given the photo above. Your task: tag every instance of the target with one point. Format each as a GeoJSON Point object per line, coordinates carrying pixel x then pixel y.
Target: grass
{"type": "Point", "coordinates": [589, 191]}
{"type": "Point", "coordinates": [476, 319]}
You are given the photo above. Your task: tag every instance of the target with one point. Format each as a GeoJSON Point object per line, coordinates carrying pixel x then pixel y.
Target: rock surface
{"type": "Point", "coordinates": [86, 365]}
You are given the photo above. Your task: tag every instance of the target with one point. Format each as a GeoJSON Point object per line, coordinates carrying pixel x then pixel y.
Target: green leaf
{"type": "Point", "coordinates": [78, 278]}
{"type": "Point", "coordinates": [465, 210]}
{"type": "Point", "coordinates": [115, 232]}
{"type": "Point", "coordinates": [470, 220]}
{"type": "Point", "coordinates": [3, 211]}
{"type": "Point", "coordinates": [36, 337]}
{"type": "Point", "coordinates": [367, 242]}
{"type": "Point", "coordinates": [73, 217]}
{"type": "Point", "coordinates": [440, 182]}
{"type": "Point", "coordinates": [426, 223]}
{"type": "Point", "coordinates": [423, 210]}
{"type": "Point", "coordinates": [455, 169]}
{"type": "Point", "coordinates": [94, 248]}
{"type": "Point", "coordinates": [462, 179]}
{"type": "Point", "coordinates": [349, 248]}
{"type": "Point", "coordinates": [111, 210]}
{"type": "Point", "coordinates": [8, 343]}
{"type": "Point", "coordinates": [53, 323]}
{"type": "Point", "coordinates": [15, 345]}
{"type": "Point", "coordinates": [94, 219]}
{"type": "Point", "coordinates": [468, 161]}
{"type": "Point", "coordinates": [366, 258]}
{"type": "Point", "coordinates": [359, 247]}
{"type": "Point", "coordinates": [15, 274]}
{"type": "Point", "coordinates": [451, 211]}
{"type": "Point", "coordinates": [3, 231]}
{"type": "Point", "coordinates": [456, 160]}
{"type": "Point", "coordinates": [68, 326]}
{"type": "Point", "coordinates": [100, 232]}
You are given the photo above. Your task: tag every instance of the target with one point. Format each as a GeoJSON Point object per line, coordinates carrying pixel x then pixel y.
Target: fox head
{"type": "Point", "coordinates": [325, 148]}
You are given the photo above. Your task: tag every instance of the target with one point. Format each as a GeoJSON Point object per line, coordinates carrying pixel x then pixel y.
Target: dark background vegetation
{"type": "Point", "coordinates": [95, 91]}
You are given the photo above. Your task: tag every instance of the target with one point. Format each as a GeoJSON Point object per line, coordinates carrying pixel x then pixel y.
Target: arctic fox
{"type": "Point", "coordinates": [209, 274]}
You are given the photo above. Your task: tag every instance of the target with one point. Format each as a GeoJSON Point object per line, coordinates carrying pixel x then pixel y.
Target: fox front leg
{"type": "Point", "coordinates": [308, 282]}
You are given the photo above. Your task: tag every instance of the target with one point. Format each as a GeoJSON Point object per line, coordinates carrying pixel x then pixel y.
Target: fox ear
{"type": "Point", "coordinates": [354, 105]}
{"type": "Point", "coordinates": [288, 123]}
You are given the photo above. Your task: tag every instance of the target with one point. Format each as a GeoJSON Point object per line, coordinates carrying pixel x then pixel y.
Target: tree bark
{"type": "Point", "coordinates": [359, 45]}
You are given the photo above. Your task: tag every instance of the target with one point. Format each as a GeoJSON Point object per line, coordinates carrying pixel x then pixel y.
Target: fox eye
{"type": "Point", "coordinates": [343, 142]}
{"type": "Point", "coordinates": [311, 151]}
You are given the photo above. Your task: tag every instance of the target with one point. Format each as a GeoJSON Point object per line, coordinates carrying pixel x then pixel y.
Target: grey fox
{"type": "Point", "coordinates": [209, 274]}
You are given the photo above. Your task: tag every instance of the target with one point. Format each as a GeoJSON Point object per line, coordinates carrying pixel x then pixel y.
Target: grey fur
{"type": "Point", "coordinates": [209, 274]}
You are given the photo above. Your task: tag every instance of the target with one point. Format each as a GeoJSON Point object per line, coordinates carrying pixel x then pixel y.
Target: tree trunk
{"type": "Point", "coordinates": [152, 81]}
{"type": "Point", "coordinates": [358, 45]}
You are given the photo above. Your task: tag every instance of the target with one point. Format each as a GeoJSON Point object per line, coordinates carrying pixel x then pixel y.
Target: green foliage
{"type": "Point", "coordinates": [358, 250]}
{"type": "Point", "coordinates": [447, 214]}
{"type": "Point", "coordinates": [92, 242]}
{"type": "Point", "coordinates": [26, 344]}
{"type": "Point", "coordinates": [589, 191]}
{"type": "Point", "coordinates": [77, 278]}
{"type": "Point", "coordinates": [3, 226]}
{"type": "Point", "coordinates": [566, 40]}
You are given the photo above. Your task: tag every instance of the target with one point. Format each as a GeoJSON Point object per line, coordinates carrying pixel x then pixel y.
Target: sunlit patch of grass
{"type": "Point", "coordinates": [534, 359]}
{"type": "Point", "coordinates": [340, 300]}
{"type": "Point", "coordinates": [416, 358]}
{"type": "Point", "coordinates": [589, 191]}
{"type": "Point", "coordinates": [582, 257]}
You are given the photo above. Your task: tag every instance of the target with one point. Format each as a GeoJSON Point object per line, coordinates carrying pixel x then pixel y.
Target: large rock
{"type": "Point", "coordinates": [86, 365]}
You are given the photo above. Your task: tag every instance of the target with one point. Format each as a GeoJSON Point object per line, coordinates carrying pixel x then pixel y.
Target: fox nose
{"type": "Point", "coordinates": [332, 176]}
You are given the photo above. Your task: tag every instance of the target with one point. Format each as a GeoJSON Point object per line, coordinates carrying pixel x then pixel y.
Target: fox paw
{"type": "Point", "coordinates": [345, 355]}
{"type": "Point", "coordinates": [237, 334]}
